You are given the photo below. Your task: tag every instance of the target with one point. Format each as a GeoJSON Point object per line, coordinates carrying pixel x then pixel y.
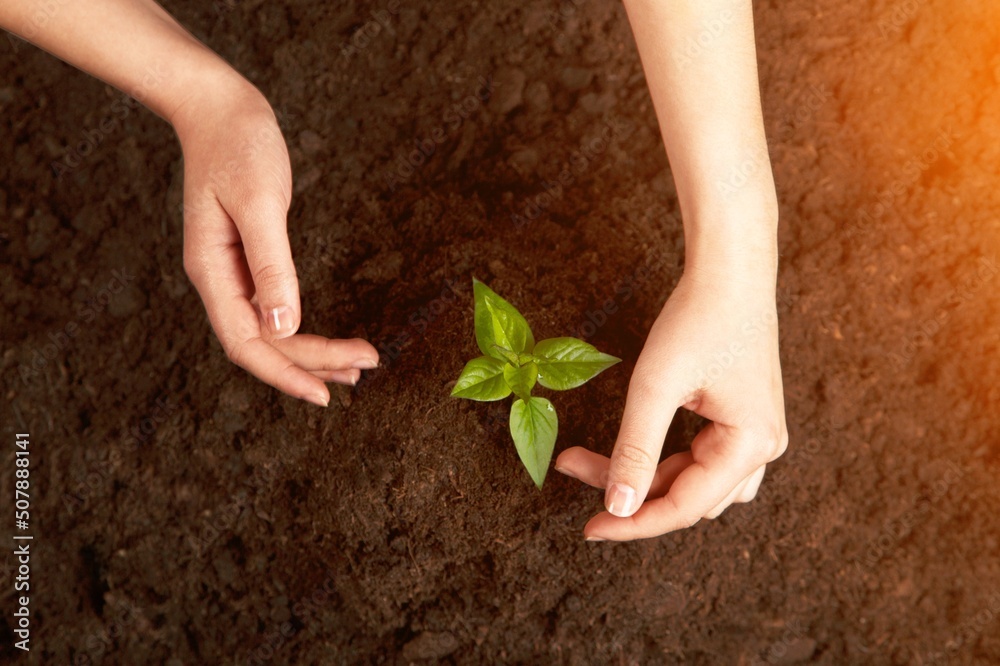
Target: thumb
{"type": "Point", "coordinates": [649, 410]}
{"type": "Point", "coordinates": [262, 227]}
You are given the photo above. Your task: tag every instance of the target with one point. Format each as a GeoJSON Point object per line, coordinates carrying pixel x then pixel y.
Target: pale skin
{"type": "Point", "coordinates": [238, 189]}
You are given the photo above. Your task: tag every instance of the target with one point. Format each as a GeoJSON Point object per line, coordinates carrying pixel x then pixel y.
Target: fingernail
{"type": "Point", "coordinates": [620, 500]}
{"type": "Point", "coordinates": [563, 470]}
{"type": "Point", "coordinates": [596, 539]}
{"type": "Point", "coordinates": [281, 320]}
{"type": "Point", "coordinates": [317, 399]}
{"type": "Point", "coordinates": [364, 364]}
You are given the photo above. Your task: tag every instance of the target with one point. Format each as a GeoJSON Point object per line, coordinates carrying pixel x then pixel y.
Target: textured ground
{"type": "Point", "coordinates": [186, 514]}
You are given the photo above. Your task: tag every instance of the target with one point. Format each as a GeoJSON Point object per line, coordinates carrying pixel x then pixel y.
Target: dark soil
{"type": "Point", "coordinates": [184, 513]}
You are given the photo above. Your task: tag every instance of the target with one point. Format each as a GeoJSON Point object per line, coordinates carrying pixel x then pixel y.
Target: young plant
{"type": "Point", "coordinates": [514, 363]}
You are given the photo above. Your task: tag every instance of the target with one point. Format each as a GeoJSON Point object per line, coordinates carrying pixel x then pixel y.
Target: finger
{"type": "Point", "coordinates": [717, 467]}
{"type": "Point", "coordinates": [742, 493]}
{"type": "Point", "coordinates": [750, 491]}
{"type": "Point", "coordinates": [649, 409]}
{"type": "Point", "coordinates": [592, 469]}
{"type": "Point", "coordinates": [262, 222]}
{"type": "Point", "coordinates": [269, 365]}
{"type": "Point", "coordinates": [725, 504]}
{"type": "Point", "coordinates": [345, 377]}
{"type": "Point", "coordinates": [314, 352]}
{"type": "Point", "coordinates": [223, 288]}
{"type": "Point", "coordinates": [667, 473]}
{"type": "Point", "coordinates": [583, 464]}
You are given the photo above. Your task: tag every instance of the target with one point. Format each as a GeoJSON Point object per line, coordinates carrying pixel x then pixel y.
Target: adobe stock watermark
{"type": "Point", "coordinates": [580, 160]}
{"type": "Point", "coordinates": [623, 292]}
{"type": "Point", "coordinates": [363, 36]}
{"type": "Point", "coordinates": [931, 326]}
{"type": "Point", "coordinates": [228, 175]}
{"type": "Point", "coordinates": [724, 360]}
{"type": "Point", "coordinates": [557, 18]}
{"type": "Point", "coordinates": [815, 98]}
{"type": "Point", "coordinates": [711, 30]}
{"type": "Point", "coordinates": [222, 522]}
{"type": "Point", "coordinates": [774, 653]}
{"type": "Point", "coordinates": [893, 21]}
{"type": "Point", "coordinates": [223, 7]}
{"type": "Point", "coordinates": [97, 480]}
{"type": "Point", "coordinates": [419, 320]}
{"type": "Point", "coordinates": [565, 10]}
{"type": "Point", "coordinates": [406, 165]}
{"type": "Point", "coordinates": [59, 340]}
{"type": "Point", "coordinates": [896, 529]}
{"type": "Point", "coordinates": [101, 643]}
{"type": "Point", "coordinates": [309, 605]}
{"type": "Point", "coordinates": [867, 218]}
{"type": "Point", "coordinates": [40, 16]}
{"type": "Point", "coordinates": [740, 174]}
{"type": "Point", "coordinates": [113, 119]}
{"type": "Point", "coordinates": [964, 637]}
{"type": "Point", "coordinates": [496, 421]}
{"type": "Point", "coordinates": [828, 431]}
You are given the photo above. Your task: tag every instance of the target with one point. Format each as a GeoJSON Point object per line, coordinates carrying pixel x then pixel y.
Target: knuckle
{"type": "Point", "coordinates": [632, 458]}
{"type": "Point", "coordinates": [687, 521]}
{"type": "Point", "coordinates": [193, 267]}
{"type": "Point", "coordinates": [683, 519]}
{"type": "Point", "coordinates": [235, 352]}
{"type": "Point", "coordinates": [272, 276]}
{"type": "Point", "coordinates": [770, 440]}
{"type": "Point", "coordinates": [262, 203]}
{"type": "Point", "coordinates": [782, 444]}
{"type": "Point", "coordinates": [774, 442]}
{"type": "Point", "coordinates": [646, 383]}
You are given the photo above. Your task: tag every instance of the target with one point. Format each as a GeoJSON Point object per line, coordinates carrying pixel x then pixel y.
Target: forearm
{"type": "Point", "coordinates": [133, 45]}
{"type": "Point", "coordinates": [700, 62]}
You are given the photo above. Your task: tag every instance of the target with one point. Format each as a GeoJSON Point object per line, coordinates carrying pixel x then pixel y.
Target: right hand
{"type": "Point", "coordinates": [237, 190]}
{"type": "Point", "coordinates": [713, 350]}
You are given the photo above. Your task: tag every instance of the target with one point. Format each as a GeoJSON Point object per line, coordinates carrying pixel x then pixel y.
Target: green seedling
{"type": "Point", "coordinates": [514, 363]}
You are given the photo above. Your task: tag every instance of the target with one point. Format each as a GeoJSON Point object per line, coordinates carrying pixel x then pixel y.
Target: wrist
{"type": "Point", "coordinates": [209, 96]}
{"type": "Point", "coordinates": [734, 244]}
{"type": "Point", "coordinates": [730, 211]}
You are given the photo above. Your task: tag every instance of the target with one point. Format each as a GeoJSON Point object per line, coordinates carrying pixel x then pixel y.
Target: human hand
{"type": "Point", "coordinates": [712, 350]}
{"type": "Point", "coordinates": [237, 191]}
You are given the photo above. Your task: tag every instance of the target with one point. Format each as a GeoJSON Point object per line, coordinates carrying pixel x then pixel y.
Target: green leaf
{"type": "Point", "coordinates": [483, 380]}
{"type": "Point", "coordinates": [521, 379]}
{"type": "Point", "coordinates": [498, 323]}
{"type": "Point", "coordinates": [509, 356]}
{"type": "Point", "coordinates": [534, 426]}
{"type": "Point", "coordinates": [565, 363]}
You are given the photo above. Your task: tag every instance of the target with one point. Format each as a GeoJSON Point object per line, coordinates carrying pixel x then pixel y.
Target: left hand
{"type": "Point", "coordinates": [237, 190]}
